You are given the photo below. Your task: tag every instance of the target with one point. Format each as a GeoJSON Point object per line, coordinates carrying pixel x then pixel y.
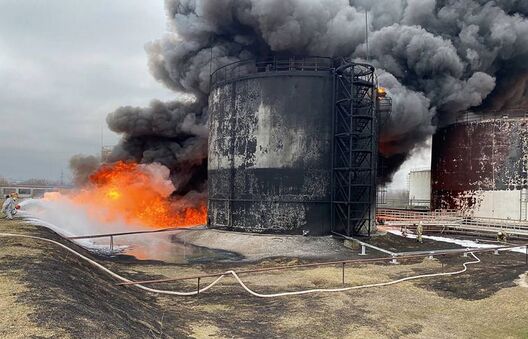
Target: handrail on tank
{"type": "Point", "coordinates": [490, 115]}
{"type": "Point", "coordinates": [246, 67]}
{"type": "Point", "coordinates": [364, 69]}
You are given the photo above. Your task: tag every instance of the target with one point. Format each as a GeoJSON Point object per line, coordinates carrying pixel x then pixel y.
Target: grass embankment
{"type": "Point", "coordinates": [45, 291]}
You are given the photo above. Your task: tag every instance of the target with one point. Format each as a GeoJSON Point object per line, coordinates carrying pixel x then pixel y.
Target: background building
{"type": "Point", "coordinates": [420, 188]}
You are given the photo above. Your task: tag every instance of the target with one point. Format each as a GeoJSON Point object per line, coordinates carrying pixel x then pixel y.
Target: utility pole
{"type": "Point", "coordinates": [366, 33]}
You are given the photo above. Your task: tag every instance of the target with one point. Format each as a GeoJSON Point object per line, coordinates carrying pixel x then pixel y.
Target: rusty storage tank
{"type": "Point", "coordinates": [270, 146]}
{"type": "Point", "coordinates": [480, 163]}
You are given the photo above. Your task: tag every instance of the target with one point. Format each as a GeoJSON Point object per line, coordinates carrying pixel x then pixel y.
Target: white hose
{"type": "Point", "coordinates": [343, 289]}
{"type": "Point", "coordinates": [234, 274]}
{"type": "Point", "coordinates": [104, 269]}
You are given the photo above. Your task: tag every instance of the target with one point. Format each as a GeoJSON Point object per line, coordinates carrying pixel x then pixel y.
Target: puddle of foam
{"type": "Point", "coordinates": [70, 220]}
{"type": "Point", "coordinates": [461, 242]}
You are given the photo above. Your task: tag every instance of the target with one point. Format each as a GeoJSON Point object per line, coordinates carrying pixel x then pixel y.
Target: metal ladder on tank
{"type": "Point", "coordinates": [354, 151]}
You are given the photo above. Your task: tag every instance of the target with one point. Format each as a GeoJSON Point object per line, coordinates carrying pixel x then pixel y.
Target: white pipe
{"type": "Point", "coordinates": [234, 274]}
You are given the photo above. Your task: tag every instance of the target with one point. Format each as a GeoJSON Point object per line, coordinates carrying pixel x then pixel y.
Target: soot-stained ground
{"type": "Point", "coordinates": [48, 292]}
{"type": "Point", "coordinates": [395, 243]}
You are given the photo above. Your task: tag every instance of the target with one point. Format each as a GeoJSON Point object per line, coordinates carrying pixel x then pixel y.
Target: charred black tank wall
{"type": "Point", "coordinates": [479, 165]}
{"type": "Point", "coordinates": [270, 147]}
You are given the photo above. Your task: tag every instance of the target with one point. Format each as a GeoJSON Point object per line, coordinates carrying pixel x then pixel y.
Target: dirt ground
{"type": "Point", "coordinates": [47, 292]}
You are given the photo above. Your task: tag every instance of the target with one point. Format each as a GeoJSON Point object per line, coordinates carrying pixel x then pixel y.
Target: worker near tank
{"type": "Point", "coordinates": [419, 232]}
{"type": "Point", "coordinates": [8, 207]}
{"type": "Point", "coordinates": [501, 237]}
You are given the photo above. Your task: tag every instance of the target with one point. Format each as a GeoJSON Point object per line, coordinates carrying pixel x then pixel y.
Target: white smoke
{"type": "Point", "coordinates": [70, 219]}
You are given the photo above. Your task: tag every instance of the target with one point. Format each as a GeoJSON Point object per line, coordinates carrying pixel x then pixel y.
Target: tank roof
{"type": "Point", "coordinates": [243, 68]}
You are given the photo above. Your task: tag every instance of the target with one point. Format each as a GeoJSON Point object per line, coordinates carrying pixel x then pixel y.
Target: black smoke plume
{"type": "Point", "coordinates": [82, 166]}
{"type": "Point", "coordinates": [173, 134]}
{"type": "Point", "coordinates": [435, 57]}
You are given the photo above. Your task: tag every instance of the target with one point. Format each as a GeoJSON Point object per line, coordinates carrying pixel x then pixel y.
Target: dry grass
{"type": "Point", "coordinates": [14, 315]}
{"type": "Point", "coordinates": [407, 310]}
{"type": "Point", "coordinates": [205, 330]}
{"type": "Point", "coordinates": [403, 310]}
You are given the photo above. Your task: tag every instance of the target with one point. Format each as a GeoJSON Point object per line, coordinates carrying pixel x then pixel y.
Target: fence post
{"type": "Point", "coordinates": [343, 276]}
{"type": "Point", "coordinates": [111, 244]}
{"type": "Point", "coordinates": [363, 250]}
{"type": "Point", "coordinates": [198, 288]}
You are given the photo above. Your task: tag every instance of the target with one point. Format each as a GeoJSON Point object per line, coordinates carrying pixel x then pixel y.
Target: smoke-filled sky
{"type": "Point", "coordinates": [436, 57]}
{"type": "Point", "coordinates": [64, 65]}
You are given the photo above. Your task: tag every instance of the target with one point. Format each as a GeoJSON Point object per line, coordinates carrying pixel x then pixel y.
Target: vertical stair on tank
{"type": "Point", "coordinates": [353, 158]}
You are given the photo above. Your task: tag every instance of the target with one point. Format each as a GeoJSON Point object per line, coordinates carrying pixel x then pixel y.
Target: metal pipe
{"type": "Point", "coordinates": [343, 277]}
{"type": "Point", "coordinates": [365, 244]}
{"type": "Point", "coordinates": [93, 236]}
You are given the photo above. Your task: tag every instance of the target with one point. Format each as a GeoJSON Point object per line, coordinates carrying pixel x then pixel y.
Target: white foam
{"type": "Point", "coordinates": [69, 220]}
{"type": "Point", "coordinates": [461, 242]}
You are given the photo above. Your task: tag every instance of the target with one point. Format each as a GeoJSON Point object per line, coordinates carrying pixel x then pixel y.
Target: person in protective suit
{"type": "Point", "coordinates": [419, 232]}
{"type": "Point", "coordinates": [502, 236]}
{"type": "Point", "coordinates": [9, 207]}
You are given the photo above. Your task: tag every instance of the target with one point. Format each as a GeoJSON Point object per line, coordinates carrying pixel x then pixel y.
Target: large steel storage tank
{"type": "Point", "coordinates": [271, 138]}
{"type": "Point", "coordinates": [480, 163]}
{"type": "Point", "coordinates": [270, 147]}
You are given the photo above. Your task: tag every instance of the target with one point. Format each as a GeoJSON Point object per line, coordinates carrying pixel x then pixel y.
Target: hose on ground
{"type": "Point", "coordinates": [237, 278]}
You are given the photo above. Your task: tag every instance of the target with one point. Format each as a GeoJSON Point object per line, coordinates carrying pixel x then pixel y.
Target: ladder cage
{"type": "Point", "coordinates": [355, 149]}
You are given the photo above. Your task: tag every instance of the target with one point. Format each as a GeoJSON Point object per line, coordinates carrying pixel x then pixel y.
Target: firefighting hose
{"type": "Point", "coordinates": [237, 278]}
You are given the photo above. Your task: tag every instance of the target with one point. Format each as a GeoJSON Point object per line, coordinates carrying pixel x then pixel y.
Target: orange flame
{"type": "Point", "coordinates": [133, 193]}
{"type": "Point", "coordinates": [381, 92]}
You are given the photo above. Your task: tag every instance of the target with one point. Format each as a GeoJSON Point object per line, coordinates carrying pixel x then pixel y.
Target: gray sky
{"type": "Point", "coordinates": [64, 64]}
